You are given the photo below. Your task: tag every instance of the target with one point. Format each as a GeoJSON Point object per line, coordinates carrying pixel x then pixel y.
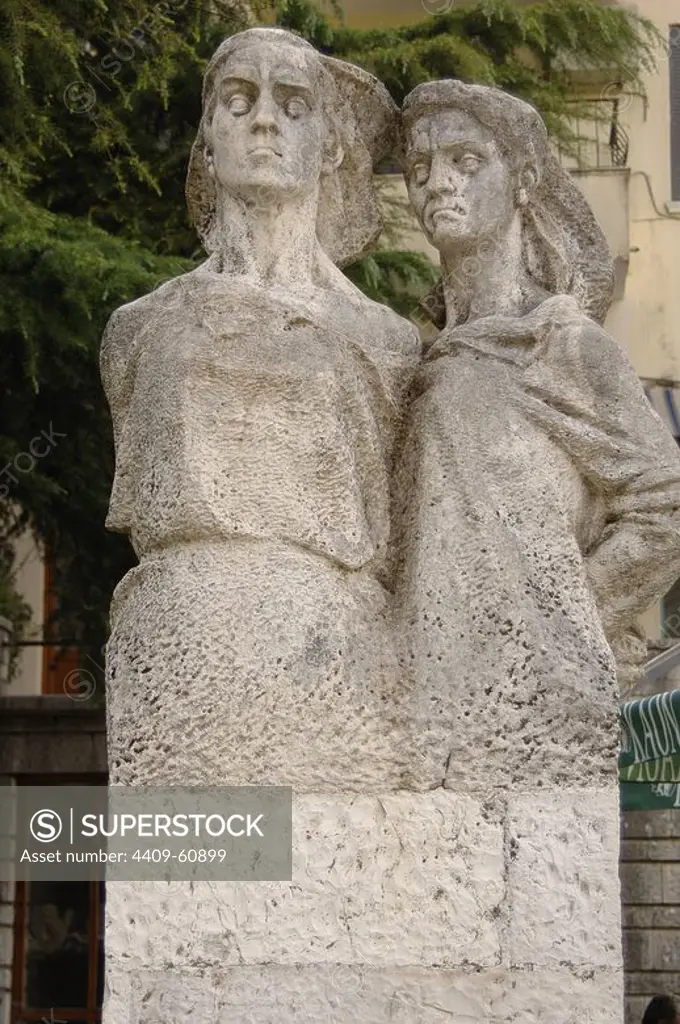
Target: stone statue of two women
{"type": "Point", "coordinates": [393, 576]}
{"type": "Point", "coordinates": [360, 567]}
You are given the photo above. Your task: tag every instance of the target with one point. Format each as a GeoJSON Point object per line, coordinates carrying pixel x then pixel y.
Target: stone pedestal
{"type": "Point", "coordinates": [407, 908]}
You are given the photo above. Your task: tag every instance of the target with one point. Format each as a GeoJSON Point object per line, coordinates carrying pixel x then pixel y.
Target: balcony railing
{"type": "Point", "coordinates": [601, 141]}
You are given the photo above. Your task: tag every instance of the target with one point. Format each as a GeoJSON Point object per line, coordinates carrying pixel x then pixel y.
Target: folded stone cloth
{"type": "Point", "coordinates": [544, 493]}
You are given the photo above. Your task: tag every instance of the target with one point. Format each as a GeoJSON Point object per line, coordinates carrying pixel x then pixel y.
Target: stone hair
{"type": "Point", "coordinates": [517, 128]}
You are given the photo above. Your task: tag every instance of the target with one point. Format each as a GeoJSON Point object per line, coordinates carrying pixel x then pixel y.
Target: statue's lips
{"type": "Point", "coordinates": [267, 151]}
{"type": "Point", "coordinates": [448, 212]}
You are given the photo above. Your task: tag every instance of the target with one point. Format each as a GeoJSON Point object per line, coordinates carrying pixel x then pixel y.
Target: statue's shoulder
{"type": "Point", "coordinates": [131, 317]}
{"type": "Point", "coordinates": [401, 334]}
{"type": "Point", "coordinates": [595, 354]}
{"type": "Point", "coordinates": [127, 322]}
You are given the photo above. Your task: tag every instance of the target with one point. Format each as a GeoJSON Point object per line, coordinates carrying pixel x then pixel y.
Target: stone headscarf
{"type": "Point", "coordinates": [564, 248]}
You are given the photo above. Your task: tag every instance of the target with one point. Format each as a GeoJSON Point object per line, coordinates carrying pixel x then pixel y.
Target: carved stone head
{"type": "Point", "coordinates": [279, 119]}
{"type": "Point", "coordinates": [475, 158]}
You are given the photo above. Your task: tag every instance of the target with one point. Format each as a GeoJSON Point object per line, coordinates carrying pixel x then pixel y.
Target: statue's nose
{"type": "Point", "coordinates": [265, 115]}
{"type": "Point", "coordinates": [444, 178]}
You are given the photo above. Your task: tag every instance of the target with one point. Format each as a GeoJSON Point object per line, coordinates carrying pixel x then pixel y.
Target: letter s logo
{"type": "Point", "coordinates": [46, 826]}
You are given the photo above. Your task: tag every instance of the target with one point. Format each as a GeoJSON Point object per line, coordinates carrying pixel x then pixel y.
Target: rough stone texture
{"type": "Point", "coordinates": [403, 907]}
{"type": "Point", "coordinates": [360, 598]}
{"type": "Point", "coordinates": [405, 879]}
{"type": "Point", "coordinates": [563, 887]}
{"type": "Point", "coordinates": [514, 577]}
{"type": "Point", "coordinates": [537, 512]}
{"type": "Point", "coordinates": [255, 404]}
{"type": "Point", "coordinates": [326, 995]}
{"type": "Point", "coordinates": [348, 221]}
{"type": "Point", "coordinates": [539, 493]}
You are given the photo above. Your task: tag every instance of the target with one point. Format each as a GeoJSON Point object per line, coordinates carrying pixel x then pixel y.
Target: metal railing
{"type": "Point", "coordinates": [662, 664]}
{"type": "Point", "coordinates": [601, 142]}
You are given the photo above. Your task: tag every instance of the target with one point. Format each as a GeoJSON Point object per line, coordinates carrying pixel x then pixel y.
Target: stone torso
{"type": "Point", "coordinates": [509, 457]}
{"type": "Point", "coordinates": [247, 414]}
{"type": "Point", "coordinates": [254, 448]}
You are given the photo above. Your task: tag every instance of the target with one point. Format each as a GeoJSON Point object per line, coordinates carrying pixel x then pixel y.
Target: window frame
{"type": "Point", "coordinates": [674, 106]}
{"type": "Point", "coordinates": [19, 1013]}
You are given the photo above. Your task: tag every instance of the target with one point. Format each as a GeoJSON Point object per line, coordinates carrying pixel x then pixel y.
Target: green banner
{"type": "Point", "coordinates": [649, 764]}
{"type": "Point", "coordinates": [650, 729]}
{"type": "Point", "coordinates": [662, 771]}
{"type": "Point", "coordinates": [650, 796]}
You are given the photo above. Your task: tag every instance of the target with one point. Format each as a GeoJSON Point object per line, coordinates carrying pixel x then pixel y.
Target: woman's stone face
{"type": "Point", "coordinates": [459, 184]}
{"type": "Point", "coordinates": [267, 130]}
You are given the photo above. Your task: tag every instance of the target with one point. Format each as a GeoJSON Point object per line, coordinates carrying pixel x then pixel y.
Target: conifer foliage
{"type": "Point", "coordinates": [99, 103]}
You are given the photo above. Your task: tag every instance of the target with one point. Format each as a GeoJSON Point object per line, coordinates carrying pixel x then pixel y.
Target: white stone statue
{"type": "Point", "coordinates": [255, 402]}
{"type": "Point", "coordinates": [257, 409]}
{"type": "Point", "coordinates": [539, 491]}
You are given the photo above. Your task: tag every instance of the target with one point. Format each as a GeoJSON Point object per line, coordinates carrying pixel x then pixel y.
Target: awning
{"type": "Point", "coordinates": [649, 764]}
{"type": "Point", "coordinates": [665, 400]}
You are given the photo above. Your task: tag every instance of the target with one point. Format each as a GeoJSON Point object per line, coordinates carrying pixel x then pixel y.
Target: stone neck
{"type": "Point", "coordinates": [271, 241]}
{"type": "Point", "coordinates": [486, 278]}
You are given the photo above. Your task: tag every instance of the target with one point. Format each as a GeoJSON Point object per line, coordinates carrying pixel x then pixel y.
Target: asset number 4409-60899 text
{"type": "Point", "coordinates": [190, 856]}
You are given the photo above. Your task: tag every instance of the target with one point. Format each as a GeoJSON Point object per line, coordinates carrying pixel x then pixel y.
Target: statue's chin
{"type": "Point", "coordinates": [449, 235]}
{"type": "Point", "coordinates": [268, 185]}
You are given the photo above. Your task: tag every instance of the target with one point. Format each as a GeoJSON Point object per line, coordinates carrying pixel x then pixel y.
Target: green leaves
{"type": "Point", "coordinates": [398, 279]}
{"type": "Point", "coordinates": [99, 103]}
{"type": "Point", "coordinates": [525, 48]}
{"type": "Point", "coordinates": [60, 277]}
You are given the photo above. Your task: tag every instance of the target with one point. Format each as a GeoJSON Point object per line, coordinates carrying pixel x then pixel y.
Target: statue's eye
{"type": "Point", "coordinates": [420, 172]}
{"type": "Point", "coordinates": [470, 163]}
{"type": "Point", "coordinates": [295, 107]}
{"type": "Point", "coordinates": [238, 104]}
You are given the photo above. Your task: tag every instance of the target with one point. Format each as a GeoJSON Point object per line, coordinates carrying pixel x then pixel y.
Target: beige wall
{"type": "Point", "coordinates": [650, 320]}
{"type": "Point", "coordinates": [647, 321]}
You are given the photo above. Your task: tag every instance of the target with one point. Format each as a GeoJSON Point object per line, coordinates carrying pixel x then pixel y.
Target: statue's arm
{"type": "Point", "coordinates": [115, 355]}
{"type": "Point", "coordinates": [637, 465]}
{"type": "Point", "coordinates": [116, 362]}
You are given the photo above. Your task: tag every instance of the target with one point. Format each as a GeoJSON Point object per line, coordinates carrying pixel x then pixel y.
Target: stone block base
{"type": "Point", "coordinates": [331, 995]}
{"type": "Point", "coordinates": [417, 908]}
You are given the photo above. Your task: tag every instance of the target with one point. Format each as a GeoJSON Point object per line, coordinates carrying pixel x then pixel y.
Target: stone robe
{"type": "Point", "coordinates": [254, 442]}
{"type": "Point", "coordinates": [529, 447]}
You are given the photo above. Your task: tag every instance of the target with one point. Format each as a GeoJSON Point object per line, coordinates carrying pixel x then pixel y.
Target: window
{"type": "Point", "coordinates": [670, 626]}
{"type": "Point", "coordinates": [58, 962]}
{"type": "Point", "coordinates": [58, 952]}
{"type": "Point", "coordinates": [674, 65]}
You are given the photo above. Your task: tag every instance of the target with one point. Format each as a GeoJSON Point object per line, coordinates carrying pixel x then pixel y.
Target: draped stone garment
{"type": "Point", "coordinates": [529, 445]}
{"type": "Point", "coordinates": [254, 441]}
